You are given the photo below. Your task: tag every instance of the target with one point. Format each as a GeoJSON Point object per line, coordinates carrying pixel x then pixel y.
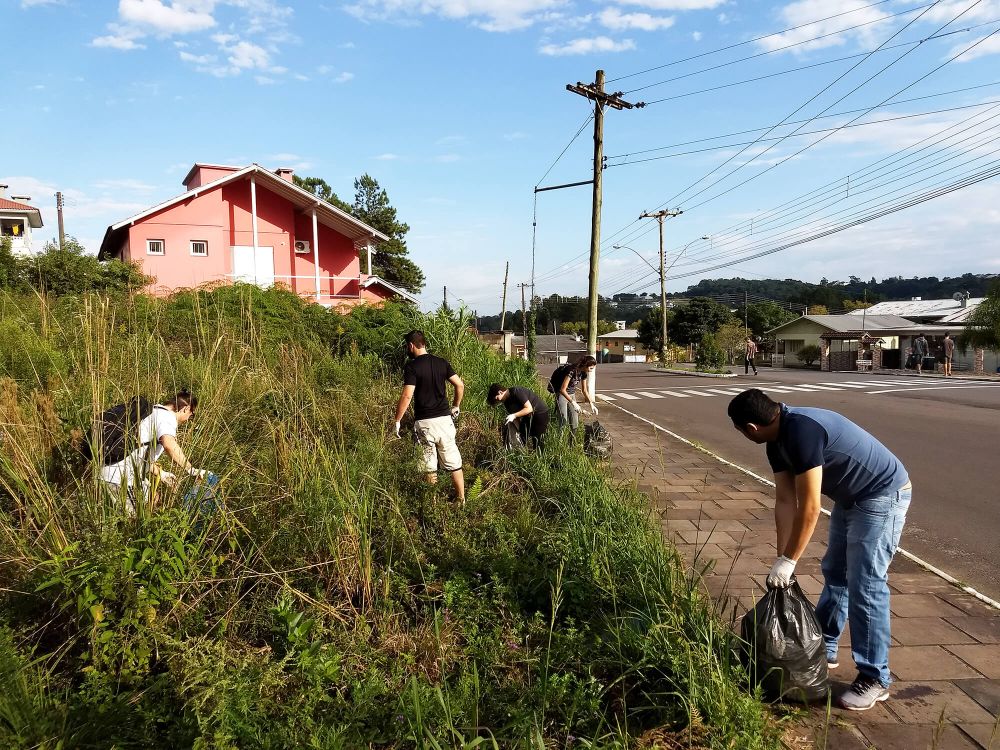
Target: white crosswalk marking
{"type": "Point", "coordinates": [676, 393]}
{"type": "Point", "coordinates": [647, 394]}
{"type": "Point", "coordinates": [776, 389]}
{"type": "Point", "coordinates": [846, 385]}
{"type": "Point", "coordinates": [628, 396]}
{"type": "Point", "coordinates": [724, 393]}
{"type": "Point", "coordinates": [820, 387]}
{"type": "Point", "coordinates": [698, 393]}
{"type": "Point", "coordinates": [606, 398]}
{"type": "Point", "coordinates": [796, 388]}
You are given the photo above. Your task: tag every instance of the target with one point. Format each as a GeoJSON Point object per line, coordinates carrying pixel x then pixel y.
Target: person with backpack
{"type": "Point", "coordinates": [920, 349]}
{"type": "Point", "coordinates": [425, 382]}
{"type": "Point", "coordinates": [525, 409]}
{"type": "Point", "coordinates": [563, 384]}
{"type": "Point", "coordinates": [140, 434]}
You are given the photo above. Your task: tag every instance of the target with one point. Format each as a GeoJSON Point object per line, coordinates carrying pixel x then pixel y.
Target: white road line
{"type": "Point", "coordinates": [819, 387]}
{"type": "Point", "coordinates": [878, 383]}
{"type": "Point", "coordinates": [698, 393]}
{"type": "Point", "coordinates": [847, 385]}
{"type": "Point", "coordinates": [777, 389]}
{"type": "Point", "coordinates": [606, 398]}
{"type": "Point", "coordinates": [938, 388]}
{"type": "Point", "coordinates": [724, 393]}
{"type": "Point", "coordinates": [922, 563]}
{"type": "Point", "coordinates": [647, 394]}
{"type": "Point", "coordinates": [804, 389]}
{"type": "Point", "coordinates": [628, 396]}
{"type": "Point", "coordinates": [676, 393]}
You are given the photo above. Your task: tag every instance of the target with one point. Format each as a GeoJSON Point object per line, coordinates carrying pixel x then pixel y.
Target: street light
{"type": "Point", "coordinates": [662, 273]}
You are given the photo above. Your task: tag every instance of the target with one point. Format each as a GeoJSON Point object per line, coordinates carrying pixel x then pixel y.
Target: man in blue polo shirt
{"type": "Point", "coordinates": [817, 452]}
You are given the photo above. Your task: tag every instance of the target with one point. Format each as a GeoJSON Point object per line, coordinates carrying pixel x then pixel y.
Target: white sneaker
{"type": "Point", "coordinates": [832, 664]}
{"type": "Point", "coordinates": [863, 694]}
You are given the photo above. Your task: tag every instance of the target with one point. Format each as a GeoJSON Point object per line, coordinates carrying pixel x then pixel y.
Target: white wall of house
{"type": "Point", "coordinates": [18, 229]}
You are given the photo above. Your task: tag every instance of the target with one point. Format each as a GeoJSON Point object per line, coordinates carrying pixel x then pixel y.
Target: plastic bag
{"type": "Point", "coordinates": [784, 646]}
{"type": "Point", "coordinates": [597, 442]}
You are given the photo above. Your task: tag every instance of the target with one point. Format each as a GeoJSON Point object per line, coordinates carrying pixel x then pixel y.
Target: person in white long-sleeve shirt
{"type": "Point", "coordinates": [157, 435]}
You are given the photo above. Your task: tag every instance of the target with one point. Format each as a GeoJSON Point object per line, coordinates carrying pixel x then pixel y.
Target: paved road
{"type": "Point", "coordinates": [946, 432]}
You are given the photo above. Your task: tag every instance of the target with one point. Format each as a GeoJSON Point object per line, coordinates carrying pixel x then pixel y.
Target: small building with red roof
{"type": "Point", "coordinates": [254, 225]}
{"type": "Point", "coordinates": [18, 219]}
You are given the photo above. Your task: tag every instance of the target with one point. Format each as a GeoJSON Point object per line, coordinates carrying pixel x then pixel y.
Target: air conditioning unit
{"type": "Point", "coordinates": [302, 247]}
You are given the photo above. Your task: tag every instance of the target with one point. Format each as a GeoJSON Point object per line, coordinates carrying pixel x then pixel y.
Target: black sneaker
{"type": "Point", "coordinates": [863, 694]}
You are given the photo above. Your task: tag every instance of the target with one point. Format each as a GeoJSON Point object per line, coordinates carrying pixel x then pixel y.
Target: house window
{"type": "Point", "coordinates": [199, 247]}
{"type": "Point", "coordinates": [155, 247]}
{"type": "Point", "coordinates": [12, 227]}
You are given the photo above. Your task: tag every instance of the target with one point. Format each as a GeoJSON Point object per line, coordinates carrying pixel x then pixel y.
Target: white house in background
{"type": "Point", "coordinates": [17, 220]}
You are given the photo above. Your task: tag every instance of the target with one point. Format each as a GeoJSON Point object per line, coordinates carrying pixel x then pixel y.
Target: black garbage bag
{"type": "Point", "coordinates": [784, 646]}
{"type": "Point", "coordinates": [597, 442]}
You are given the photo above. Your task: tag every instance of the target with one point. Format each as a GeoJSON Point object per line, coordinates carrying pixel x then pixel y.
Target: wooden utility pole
{"type": "Point", "coordinates": [524, 316]}
{"type": "Point", "coordinates": [503, 304]}
{"type": "Point", "coordinates": [660, 216]}
{"type": "Point", "coordinates": [62, 228]}
{"type": "Point", "coordinates": [446, 298]}
{"type": "Point", "coordinates": [595, 93]}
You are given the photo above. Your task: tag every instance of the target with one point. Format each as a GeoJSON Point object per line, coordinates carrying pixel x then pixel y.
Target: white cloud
{"type": "Point", "coordinates": [196, 59]}
{"type": "Point", "coordinates": [343, 77]}
{"type": "Point", "coordinates": [126, 183]}
{"type": "Point", "coordinates": [300, 77]}
{"type": "Point", "coordinates": [347, 45]}
{"type": "Point", "coordinates": [120, 38]}
{"type": "Point", "coordinates": [324, 69]}
{"type": "Point", "coordinates": [990, 46]}
{"type": "Point", "coordinates": [284, 157]}
{"type": "Point", "coordinates": [613, 18]}
{"type": "Point", "coordinates": [674, 4]}
{"type": "Point", "coordinates": [801, 12]}
{"type": "Point", "coordinates": [587, 46]}
{"type": "Point", "coordinates": [696, 35]}
{"type": "Point", "coordinates": [36, 3]}
{"type": "Point", "coordinates": [264, 80]}
{"type": "Point", "coordinates": [489, 15]}
{"type": "Point", "coordinates": [179, 17]}
{"type": "Point", "coordinates": [447, 158]}
{"type": "Point", "coordinates": [386, 157]}
{"type": "Point", "coordinates": [517, 135]}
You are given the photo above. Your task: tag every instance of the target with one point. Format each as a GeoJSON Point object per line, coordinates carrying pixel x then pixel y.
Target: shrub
{"type": "Point", "coordinates": [808, 354]}
{"type": "Point", "coordinates": [708, 357]}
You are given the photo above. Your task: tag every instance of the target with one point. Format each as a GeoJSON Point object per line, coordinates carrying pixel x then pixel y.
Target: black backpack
{"type": "Point", "coordinates": [557, 377]}
{"type": "Point", "coordinates": [597, 441]}
{"type": "Point", "coordinates": [115, 433]}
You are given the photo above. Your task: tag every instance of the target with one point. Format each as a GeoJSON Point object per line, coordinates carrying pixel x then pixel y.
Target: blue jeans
{"type": "Point", "coordinates": [567, 414]}
{"type": "Point", "coordinates": [863, 539]}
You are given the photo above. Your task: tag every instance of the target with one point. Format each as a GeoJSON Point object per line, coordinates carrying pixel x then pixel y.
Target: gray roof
{"type": "Point", "coordinates": [849, 322]}
{"type": "Point", "coordinates": [628, 333]}
{"type": "Point", "coordinates": [941, 310]}
{"type": "Point", "coordinates": [548, 343]}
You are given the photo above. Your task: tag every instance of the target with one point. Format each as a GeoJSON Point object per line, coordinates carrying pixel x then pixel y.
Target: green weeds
{"type": "Point", "coordinates": [334, 600]}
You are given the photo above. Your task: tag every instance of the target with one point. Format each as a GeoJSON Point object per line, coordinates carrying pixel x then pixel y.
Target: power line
{"type": "Point", "coordinates": [779, 49]}
{"type": "Point", "coordinates": [748, 41]}
{"type": "Point", "coordinates": [563, 152]}
{"type": "Point", "coordinates": [805, 132]}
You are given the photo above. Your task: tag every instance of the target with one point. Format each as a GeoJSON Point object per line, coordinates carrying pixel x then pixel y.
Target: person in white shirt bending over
{"type": "Point", "coordinates": [159, 430]}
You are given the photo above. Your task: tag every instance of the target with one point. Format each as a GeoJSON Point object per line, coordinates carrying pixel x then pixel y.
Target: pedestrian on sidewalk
{"type": "Point", "coordinates": [425, 382]}
{"type": "Point", "coordinates": [814, 452]}
{"type": "Point", "coordinates": [525, 408]}
{"type": "Point", "coordinates": [749, 353]}
{"type": "Point", "coordinates": [563, 384]}
{"type": "Point", "coordinates": [920, 350]}
{"type": "Point", "coordinates": [949, 354]}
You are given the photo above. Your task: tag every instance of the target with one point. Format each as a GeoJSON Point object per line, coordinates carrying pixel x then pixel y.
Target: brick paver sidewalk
{"type": "Point", "coordinates": [945, 655]}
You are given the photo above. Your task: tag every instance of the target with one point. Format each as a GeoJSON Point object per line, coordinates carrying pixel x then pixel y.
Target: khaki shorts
{"type": "Point", "coordinates": [437, 440]}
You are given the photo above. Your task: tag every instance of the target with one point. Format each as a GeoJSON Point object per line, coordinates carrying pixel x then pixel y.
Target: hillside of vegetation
{"type": "Point", "coordinates": [333, 600]}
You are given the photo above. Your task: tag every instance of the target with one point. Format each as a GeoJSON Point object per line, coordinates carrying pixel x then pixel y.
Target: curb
{"type": "Point", "coordinates": [693, 373]}
{"type": "Point", "coordinates": [909, 555]}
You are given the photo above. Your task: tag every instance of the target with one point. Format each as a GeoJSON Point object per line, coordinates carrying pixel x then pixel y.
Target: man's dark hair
{"type": "Point", "coordinates": [753, 407]}
{"type": "Point", "coordinates": [492, 395]}
{"type": "Point", "coordinates": [416, 338]}
{"type": "Point", "coordinates": [182, 399]}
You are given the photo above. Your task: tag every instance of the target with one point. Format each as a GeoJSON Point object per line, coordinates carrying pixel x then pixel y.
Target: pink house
{"type": "Point", "coordinates": [253, 225]}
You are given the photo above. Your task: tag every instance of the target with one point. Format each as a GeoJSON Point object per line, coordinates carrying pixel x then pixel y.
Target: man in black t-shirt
{"type": "Point", "coordinates": [524, 407]}
{"type": "Point", "coordinates": [425, 379]}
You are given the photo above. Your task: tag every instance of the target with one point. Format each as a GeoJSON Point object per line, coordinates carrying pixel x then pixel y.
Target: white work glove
{"type": "Point", "coordinates": [197, 473]}
{"type": "Point", "coordinates": [510, 418]}
{"type": "Point", "coordinates": [455, 411]}
{"type": "Point", "coordinates": [576, 407]}
{"type": "Point", "coordinates": [781, 573]}
{"type": "Point", "coordinates": [593, 409]}
{"type": "Point", "coordinates": [168, 478]}
{"type": "Point", "coordinates": [397, 429]}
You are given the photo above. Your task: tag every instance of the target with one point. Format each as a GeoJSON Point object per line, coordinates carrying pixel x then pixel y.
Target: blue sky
{"type": "Point", "coordinates": [458, 108]}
